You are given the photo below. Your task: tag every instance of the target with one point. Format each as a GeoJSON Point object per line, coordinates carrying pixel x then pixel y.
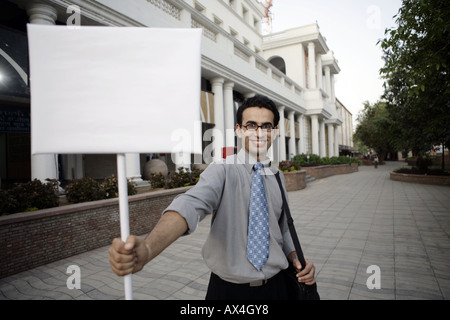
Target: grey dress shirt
{"type": "Point", "coordinates": [224, 191]}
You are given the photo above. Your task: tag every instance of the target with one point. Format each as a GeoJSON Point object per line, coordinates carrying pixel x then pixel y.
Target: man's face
{"type": "Point", "coordinates": [256, 142]}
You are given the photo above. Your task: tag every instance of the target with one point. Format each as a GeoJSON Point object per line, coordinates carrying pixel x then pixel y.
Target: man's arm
{"type": "Point", "coordinates": [135, 253]}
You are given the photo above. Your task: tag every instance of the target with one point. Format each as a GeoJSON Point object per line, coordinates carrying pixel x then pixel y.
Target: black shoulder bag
{"type": "Point", "coordinates": [296, 290]}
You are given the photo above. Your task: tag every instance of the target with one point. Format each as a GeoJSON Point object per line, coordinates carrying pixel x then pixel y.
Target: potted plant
{"type": "Point", "coordinates": [293, 174]}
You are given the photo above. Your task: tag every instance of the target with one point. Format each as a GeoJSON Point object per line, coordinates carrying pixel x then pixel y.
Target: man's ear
{"type": "Point", "coordinates": [238, 130]}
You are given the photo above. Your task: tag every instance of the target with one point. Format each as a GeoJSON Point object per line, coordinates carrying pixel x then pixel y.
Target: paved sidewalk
{"type": "Point", "coordinates": [346, 223]}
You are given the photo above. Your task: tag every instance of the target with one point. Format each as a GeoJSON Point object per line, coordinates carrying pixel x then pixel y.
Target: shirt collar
{"type": "Point", "coordinates": [248, 161]}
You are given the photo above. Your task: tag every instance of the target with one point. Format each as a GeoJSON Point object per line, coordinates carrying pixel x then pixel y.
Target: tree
{"type": "Point", "coordinates": [416, 70]}
{"type": "Point", "coordinates": [375, 128]}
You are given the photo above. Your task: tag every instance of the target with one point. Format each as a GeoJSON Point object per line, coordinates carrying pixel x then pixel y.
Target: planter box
{"type": "Point", "coordinates": [32, 239]}
{"type": "Point", "coordinates": [420, 178]}
{"type": "Point", "coordinates": [295, 180]}
{"type": "Point", "coordinates": [321, 172]}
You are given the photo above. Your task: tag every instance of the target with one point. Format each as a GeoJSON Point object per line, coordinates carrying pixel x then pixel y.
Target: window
{"type": "Point", "coordinates": [278, 63]}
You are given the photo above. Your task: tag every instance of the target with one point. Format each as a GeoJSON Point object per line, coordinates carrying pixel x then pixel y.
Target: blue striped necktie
{"type": "Point", "coordinates": [258, 222]}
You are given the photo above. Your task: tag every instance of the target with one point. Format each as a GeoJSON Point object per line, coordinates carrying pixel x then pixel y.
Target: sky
{"type": "Point", "coordinates": [352, 29]}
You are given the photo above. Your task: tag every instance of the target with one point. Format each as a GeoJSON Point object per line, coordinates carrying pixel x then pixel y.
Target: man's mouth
{"type": "Point", "coordinates": [259, 143]}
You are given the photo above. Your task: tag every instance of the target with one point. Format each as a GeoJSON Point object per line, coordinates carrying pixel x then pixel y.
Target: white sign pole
{"type": "Point", "coordinates": [124, 216]}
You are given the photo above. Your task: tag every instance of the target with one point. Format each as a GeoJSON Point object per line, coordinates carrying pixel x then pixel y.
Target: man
{"type": "Point", "coordinates": [246, 257]}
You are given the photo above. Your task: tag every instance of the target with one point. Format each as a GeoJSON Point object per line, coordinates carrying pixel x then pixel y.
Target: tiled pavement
{"type": "Point", "coordinates": [346, 223]}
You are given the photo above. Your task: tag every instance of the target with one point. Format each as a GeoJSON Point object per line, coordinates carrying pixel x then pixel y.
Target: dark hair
{"type": "Point", "coordinates": [262, 102]}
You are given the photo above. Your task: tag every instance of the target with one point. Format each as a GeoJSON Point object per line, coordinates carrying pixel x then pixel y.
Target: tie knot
{"type": "Point", "coordinates": [257, 166]}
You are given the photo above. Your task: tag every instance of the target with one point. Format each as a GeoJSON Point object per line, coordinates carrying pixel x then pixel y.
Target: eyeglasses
{"type": "Point", "coordinates": [251, 126]}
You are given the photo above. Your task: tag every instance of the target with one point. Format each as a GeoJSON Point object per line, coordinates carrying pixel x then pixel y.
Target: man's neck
{"type": "Point", "coordinates": [252, 158]}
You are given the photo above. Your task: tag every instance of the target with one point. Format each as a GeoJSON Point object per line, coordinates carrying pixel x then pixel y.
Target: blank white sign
{"type": "Point", "coordinates": [113, 89]}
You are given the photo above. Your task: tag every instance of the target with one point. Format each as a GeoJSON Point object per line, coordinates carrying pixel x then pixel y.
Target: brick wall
{"type": "Point", "coordinates": [423, 179]}
{"type": "Point", "coordinates": [321, 172]}
{"type": "Point", "coordinates": [32, 239]}
{"type": "Point", "coordinates": [295, 180]}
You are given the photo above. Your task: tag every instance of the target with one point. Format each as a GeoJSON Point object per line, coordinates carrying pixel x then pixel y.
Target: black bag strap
{"type": "Point", "coordinates": [290, 223]}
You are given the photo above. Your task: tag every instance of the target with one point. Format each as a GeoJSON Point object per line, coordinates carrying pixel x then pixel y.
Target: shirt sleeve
{"type": "Point", "coordinates": [202, 199]}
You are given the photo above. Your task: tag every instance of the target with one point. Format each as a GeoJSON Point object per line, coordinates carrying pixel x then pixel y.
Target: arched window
{"type": "Point", "coordinates": [278, 63]}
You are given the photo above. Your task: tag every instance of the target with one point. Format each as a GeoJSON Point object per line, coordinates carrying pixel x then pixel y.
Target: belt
{"type": "Point", "coordinates": [258, 283]}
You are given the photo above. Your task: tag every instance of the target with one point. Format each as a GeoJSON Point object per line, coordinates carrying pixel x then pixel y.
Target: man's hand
{"type": "Point", "coordinates": [129, 257]}
{"type": "Point", "coordinates": [132, 256]}
{"type": "Point", "coordinates": [307, 274]}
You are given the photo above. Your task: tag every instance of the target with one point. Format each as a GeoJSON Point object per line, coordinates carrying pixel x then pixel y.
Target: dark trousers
{"type": "Point", "coordinates": [219, 289]}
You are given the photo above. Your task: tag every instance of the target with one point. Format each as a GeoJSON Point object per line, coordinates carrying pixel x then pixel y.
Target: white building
{"type": "Point", "coordinates": [346, 146]}
{"type": "Point", "coordinates": [295, 68]}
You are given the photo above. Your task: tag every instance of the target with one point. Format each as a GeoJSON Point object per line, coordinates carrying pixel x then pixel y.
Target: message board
{"type": "Point", "coordinates": [113, 90]}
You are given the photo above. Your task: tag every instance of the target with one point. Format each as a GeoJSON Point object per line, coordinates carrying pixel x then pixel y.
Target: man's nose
{"type": "Point", "coordinates": [259, 132]}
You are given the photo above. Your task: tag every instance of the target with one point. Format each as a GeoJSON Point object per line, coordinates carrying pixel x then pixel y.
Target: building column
{"type": "Point", "coordinates": [332, 92]}
{"type": "Point", "coordinates": [282, 138]}
{"type": "Point", "coordinates": [336, 142]}
{"type": "Point", "coordinates": [41, 13]}
{"type": "Point", "coordinates": [229, 113]}
{"type": "Point", "coordinates": [292, 149]}
{"type": "Point", "coordinates": [43, 166]}
{"type": "Point", "coordinates": [301, 58]}
{"type": "Point", "coordinates": [331, 140]}
{"type": "Point", "coordinates": [312, 83]}
{"type": "Point", "coordinates": [218, 143]}
{"type": "Point", "coordinates": [133, 166]}
{"type": "Point", "coordinates": [322, 149]}
{"type": "Point", "coordinates": [328, 82]}
{"type": "Point", "coordinates": [180, 159]}
{"type": "Point", "coordinates": [319, 71]}
{"type": "Point", "coordinates": [315, 134]}
{"type": "Point", "coordinates": [249, 95]}
{"type": "Point", "coordinates": [301, 142]}
{"type": "Point", "coordinates": [72, 166]}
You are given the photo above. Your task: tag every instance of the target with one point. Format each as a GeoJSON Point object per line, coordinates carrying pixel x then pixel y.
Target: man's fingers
{"type": "Point", "coordinates": [131, 242]}
{"type": "Point", "coordinates": [122, 256]}
{"type": "Point", "coordinates": [124, 248]}
{"type": "Point", "coordinates": [307, 274]}
{"type": "Point", "coordinates": [297, 265]}
{"type": "Point", "coordinates": [122, 269]}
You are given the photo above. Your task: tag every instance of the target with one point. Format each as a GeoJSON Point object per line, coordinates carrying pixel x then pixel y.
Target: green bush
{"type": "Point", "coordinates": [157, 180]}
{"type": "Point", "coordinates": [85, 189]}
{"type": "Point", "coordinates": [288, 166]}
{"type": "Point", "coordinates": [8, 204]}
{"type": "Point", "coordinates": [111, 187]}
{"type": "Point", "coordinates": [195, 176]}
{"type": "Point", "coordinates": [423, 162]}
{"type": "Point", "coordinates": [178, 179]}
{"type": "Point", "coordinates": [29, 196]}
{"type": "Point", "coordinates": [182, 178]}
{"type": "Point", "coordinates": [314, 159]}
{"type": "Point", "coordinates": [303, 159]}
